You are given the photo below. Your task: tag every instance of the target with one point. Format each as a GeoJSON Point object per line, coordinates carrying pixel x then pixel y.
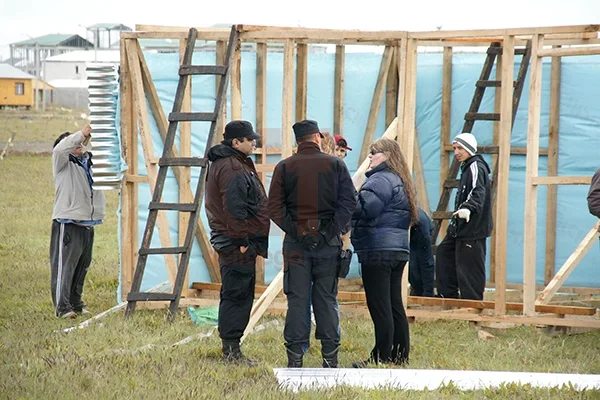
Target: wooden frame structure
{"type": "Point", "coordinates": [397, 81]}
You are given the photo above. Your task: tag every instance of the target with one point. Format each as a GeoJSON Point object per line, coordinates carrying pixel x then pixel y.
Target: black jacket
{"type": "Point", "coordinates": [593, 197]}
{"type": "Point", "coordinates": [236, 202]}
{"type": "Point", "coordinates": [473, 194]}
{"type": "Point", "coordinates": [311, 185]}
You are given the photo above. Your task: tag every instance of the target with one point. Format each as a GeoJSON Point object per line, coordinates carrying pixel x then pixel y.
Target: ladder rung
{"type": "Point", "coordinates": [442, 215]}
{"type": "Point", "coordinates": [202, 70]}
{"type": "Point", "coordinates": [192, 116]}
{"type": "Point", "coordinates": [470, 116]}
{"type": "Point", "coordinates": [183, 162]}
{"type": "Point", "coordinates": [481, 83]}
{"type": "Point", "coordinates": [189, 207]}
{"type": "Point", "coordinates": [163, 250]}
{"type": "Point", "coordinates": [150, 296]}
{"type": "Point", "coordinates": [498, 50]}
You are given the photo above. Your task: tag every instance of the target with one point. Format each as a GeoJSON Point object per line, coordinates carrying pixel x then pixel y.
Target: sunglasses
{"type": "Point", "coordinates": [373, 152]}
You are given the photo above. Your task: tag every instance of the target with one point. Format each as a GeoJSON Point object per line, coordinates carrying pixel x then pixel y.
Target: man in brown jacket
{"type": "Point", "coordinates": [236, 206]}
{"type": "Point", "coordinates": [593, 197]}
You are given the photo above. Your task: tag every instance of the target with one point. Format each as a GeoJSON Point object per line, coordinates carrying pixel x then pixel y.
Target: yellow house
{"type": "Point", "coordinates": [17, 88]}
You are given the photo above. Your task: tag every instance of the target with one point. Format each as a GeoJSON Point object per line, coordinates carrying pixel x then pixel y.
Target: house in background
{"type": "Point", "coordinates": [17, 88]}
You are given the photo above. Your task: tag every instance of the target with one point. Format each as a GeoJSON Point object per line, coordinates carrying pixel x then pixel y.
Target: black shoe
{"type": "Point", "coordinates": [233, 355]}
{"type": "Point", "coordinates": [294, 359]}
{"type": "Point", "coordinates": [330, 360]}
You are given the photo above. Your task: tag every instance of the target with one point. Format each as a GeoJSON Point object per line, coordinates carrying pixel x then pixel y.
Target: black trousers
{"type": "Point", "coordinates": [460, 266]}
{"type": "Point", "coordinates": [382, 279]}
{"type": "Point", "coordinates": [421, 269]}
{"type": "Point", "coordinates": [238, 276]}
{"type": "Point", "coordinates": [70, 258]}
{"type": "Point", "coordinates": [311, 276]}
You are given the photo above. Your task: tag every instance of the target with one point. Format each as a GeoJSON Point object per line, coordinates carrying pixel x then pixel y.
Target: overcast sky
{"type": "Point", "coordinates": [22, 19]}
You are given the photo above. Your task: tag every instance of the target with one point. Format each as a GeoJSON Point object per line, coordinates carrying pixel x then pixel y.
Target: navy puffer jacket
{"type": "Point", "coordinates": [382, 217]}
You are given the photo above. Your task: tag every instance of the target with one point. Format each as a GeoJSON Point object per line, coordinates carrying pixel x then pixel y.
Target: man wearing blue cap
{"type": "Point", "coordinates": [311, 199]}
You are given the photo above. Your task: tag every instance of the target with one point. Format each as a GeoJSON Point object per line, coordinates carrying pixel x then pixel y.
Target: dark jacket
{"type": "Point", "coordinates": [236, 202]}
{"type": "Point", "coordinates": [382, 216]}
{"type": "Point", "coordinates": [473, 194]}
{"type": "Point", "coordinates": [593, 197]}
{"type": "Point", "coordinates": [309, 186]}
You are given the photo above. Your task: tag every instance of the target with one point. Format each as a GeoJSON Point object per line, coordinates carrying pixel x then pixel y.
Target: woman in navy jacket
{"type": "Point", "coordinates": [385, 210]}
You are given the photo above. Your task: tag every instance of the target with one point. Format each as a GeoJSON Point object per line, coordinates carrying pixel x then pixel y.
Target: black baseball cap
{"type": "Point", "coordinates": [240, 129]}
{"type": "Point", "coordinates": [306, 127]}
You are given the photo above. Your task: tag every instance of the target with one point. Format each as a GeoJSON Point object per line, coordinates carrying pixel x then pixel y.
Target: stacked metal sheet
{"type": "Point", "coordinates": [106, 147]}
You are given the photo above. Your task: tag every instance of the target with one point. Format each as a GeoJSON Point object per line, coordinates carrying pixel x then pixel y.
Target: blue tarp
{"type": "Point", "coordinates": [579, 141]}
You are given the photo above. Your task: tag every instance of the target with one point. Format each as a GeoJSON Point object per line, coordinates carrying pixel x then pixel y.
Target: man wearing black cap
{"type": "Point", "coordinates": [236, 206]}
{"type": "Point", "coordinates": [311, 199]}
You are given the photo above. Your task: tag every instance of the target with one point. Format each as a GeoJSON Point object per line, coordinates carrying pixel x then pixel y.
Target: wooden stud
{"type": "Point", "coordinates": [496, 135]}
{"type": "Point", "coordinates": [501, 221]}
{"type": "Point", "coordinates": [261, 129]}
{"type": "Point", "coordinates": [553, 129]}
{"type": "Point", "coordinates": [376, 102]}
{"type": "Point", "coordinates": [151, 169]}
{"type": "Point", "coordinates": [561, 276]}
{"type": "Point", "coordinates": [420, 181]}
{"type": "Point", "coordinates": [445, 125]}
{"type": "Point", "coordinates": [301, 80]}
{"type": "Point", "coordinates": [531, 171]}
{"type": "Point", "coordinates": [338, 90]}
{"type": "Point", "coordinates": [221, 56]}
{"type": "Point", "coordinates": [162, 124]}
{"type": "Point", "coordinates": [391, 92]}
{"type": "Point", "coordinates": [236, 83]}
{"type": "Point", "coordinates": [287, 100]}
{"type": "Point", "coordinates": [561, 180]}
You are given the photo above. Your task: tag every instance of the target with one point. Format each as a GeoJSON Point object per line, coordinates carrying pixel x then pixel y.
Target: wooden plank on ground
{"type": "Point", "coordinates": [376, 101]}
{"type": "Point", "coordinates": [503, 172]}
{"type": "Point", "coordinates": [338, 90]}
{"type": "Point", "coordinates": [261, 305]}
{"type": "Point", "coordinates": [553, 129]}
{"type": "Point", "coordinates": [301, 80]}
{"type": "Point", "coordinates": [561, 276]}
{"type": "Point", "coordinates": [531, 171]}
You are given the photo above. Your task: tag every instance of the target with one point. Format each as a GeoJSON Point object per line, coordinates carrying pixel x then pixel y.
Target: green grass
{"type": "Point", "coordinates": [39, 126]}
{"type": "Point", "coordinates": [112, 359]}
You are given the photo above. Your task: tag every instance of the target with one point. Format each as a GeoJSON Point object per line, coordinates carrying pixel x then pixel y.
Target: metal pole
{"type": "Point", "coordinates": [36, 57]}
{"type": "Point", "coordinates": [44, 90]}
{"type": "Point", "coordinates": [96, 45]}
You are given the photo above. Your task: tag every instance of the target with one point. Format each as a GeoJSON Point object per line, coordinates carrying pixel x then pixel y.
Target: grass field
{"type": "Point", "coordinates": [39, 126]}
{"type": "Point", "coordinates": [112, 359]}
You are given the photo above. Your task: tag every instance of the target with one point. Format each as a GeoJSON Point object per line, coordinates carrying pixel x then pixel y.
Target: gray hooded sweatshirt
{"type": "Point", "coordinates": [74, 199]}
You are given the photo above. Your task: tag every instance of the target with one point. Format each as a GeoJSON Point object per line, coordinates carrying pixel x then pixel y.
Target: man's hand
{"type": "Point", "coordinates": [463, 213]}
{"type": "Point", "coordinates": [243, 249]}
{"type": "Point", "coordinates": [311, 243]}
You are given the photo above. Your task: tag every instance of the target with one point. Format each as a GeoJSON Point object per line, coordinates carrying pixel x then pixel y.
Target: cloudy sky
{"type": "Point", "coordinates": [22, 19]}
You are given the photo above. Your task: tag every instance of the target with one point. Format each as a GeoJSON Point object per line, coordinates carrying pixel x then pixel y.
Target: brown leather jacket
{"type": "Point", "coordinates": [236, 202]}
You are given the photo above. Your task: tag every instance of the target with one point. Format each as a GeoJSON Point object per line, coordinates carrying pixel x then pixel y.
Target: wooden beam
{"type": "Point", "coordinates": [287, 99]}
{"type": "Point", "coordinates": [129, 195]}
{"type": "Point", "coordinates": [261, 129]}
{"type": "Point", "coordinates": [561, 276]}
{"type": "Point", "coordinates": [553, 129]}
{"type": "Point", "coordinates": [146, 136]}
{"type": "Point", "coordinates": [531, 172]}
{"type": "Point", "coordinates": [301, 81]}
{"type": "Point", "coordinates": [445, 125]}
{"type": "Point", "coordinates": [265, 300]}
{"type": "Point", "coordinates": [221, 56]}
{"type": "Point", "coordinates": [130, 178]}
{"type": "Point", "coordinates": [496, 135]}
{"type": "Point", "coordinates": [236, 83]}
{"type": "Point", "coordinates": [494, 149]}
{"type": "Point", "coordinates": [338, 90]}
{"type": "Point", "coordinates": [501, 221]}
{"type": "Point", "coordinates": [488, 33]}
{"type": "Point", "coordinates": [420, 181]}
{"type": "Point", "coordinates": [376, 101]}
{"type": "Point", "coordinates": [391, 92]}
{"type": "Point", "coordinates": [162, 125]}
{"type": "Point", "coordinates": [569, 51]}
{"type": "Point", "coordinates": [185, 173]}
{"type": "Point", "coordinates": [561, 180]}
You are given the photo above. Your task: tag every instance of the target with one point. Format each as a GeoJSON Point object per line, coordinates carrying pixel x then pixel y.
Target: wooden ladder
{"type": "Point", "coordinates": [473, 115]}
{"type": "Point", "coordinates": [185, 71]}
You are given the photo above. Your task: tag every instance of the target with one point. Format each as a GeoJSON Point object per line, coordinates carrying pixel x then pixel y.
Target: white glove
{"type": "Point", "coordinates": [463, 213]}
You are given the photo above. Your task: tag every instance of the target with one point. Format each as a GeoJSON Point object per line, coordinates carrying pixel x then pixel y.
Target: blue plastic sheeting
{"type": "Point", "coordinates": [579, 142]}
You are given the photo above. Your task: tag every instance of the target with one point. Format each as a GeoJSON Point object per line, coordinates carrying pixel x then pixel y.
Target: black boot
{"type": "Point", "coordinates": [294, 359]}
{"type": "Point", "coordinates": [330, 360]}
{"type": "Point", "coordinates": [233, 354]}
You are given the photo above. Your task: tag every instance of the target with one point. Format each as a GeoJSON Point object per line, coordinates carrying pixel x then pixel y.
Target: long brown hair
{"type": "Point", "coordinates": [397, 163]}
{"type": "Point", "coordinates": [327, 144]}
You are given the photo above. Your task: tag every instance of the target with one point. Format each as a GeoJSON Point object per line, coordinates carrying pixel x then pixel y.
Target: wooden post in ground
{"type": "Point", "coordinates": [236, 83]}
{"type": "Point", "coordinates": [496, 136]}
{"type": "Point", "coordinates": [221, 56]}
{"type": "Point", "coordinates": [261, 129]}
{"type": "Point", "coordinates": [501, 222]}
{"type": "Point", "coordinates": [301, 80]}
{"type": "Point", "coordinates": [531, 172]}
{"type": "Point", "coordinates": [338, 90]}
{"type": "Point", "coordinates": [445, 126]}
{"type": "Point", "coordinates": [555, 77]}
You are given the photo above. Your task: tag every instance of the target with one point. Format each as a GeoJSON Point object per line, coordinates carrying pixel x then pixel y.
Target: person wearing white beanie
{"type": "Point", "coordinates": [460, 257]}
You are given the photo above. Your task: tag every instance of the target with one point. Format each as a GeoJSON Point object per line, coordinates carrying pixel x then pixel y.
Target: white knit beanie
{"type": "Point", "coordinates": [467, 141]}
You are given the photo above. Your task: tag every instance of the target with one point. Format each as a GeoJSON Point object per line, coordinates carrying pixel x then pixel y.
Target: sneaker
{"type": "Point", "coordinates": [69, 315]}
{"type": "Point", "coordinates": [84, 311]}
{"type": "Point", "coordinates": [240, 359]}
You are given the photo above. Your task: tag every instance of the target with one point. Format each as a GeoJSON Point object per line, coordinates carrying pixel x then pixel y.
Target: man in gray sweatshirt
{"type": "Point", "coordinates": [77, 209]}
